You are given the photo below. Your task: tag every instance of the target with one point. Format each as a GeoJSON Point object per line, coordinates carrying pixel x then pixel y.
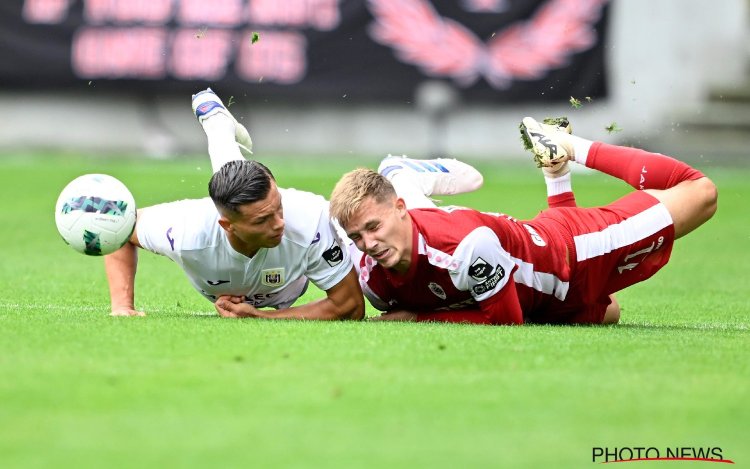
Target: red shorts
{"type": "Point", "coordinates": [611, 248]}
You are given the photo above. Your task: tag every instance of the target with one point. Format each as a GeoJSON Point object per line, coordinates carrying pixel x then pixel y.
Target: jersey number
{"type": "Point", "coordinates": [645, 252]}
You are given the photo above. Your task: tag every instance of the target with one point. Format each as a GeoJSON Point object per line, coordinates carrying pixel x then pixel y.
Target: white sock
{"type": "Point", "coordinates": [222, 146]}
{"type": "Point", "coordinates": [581, 148]}
{"type": "Point", "coordinates": [408, 189]}
{"type": "Point", "coordinates": [558, 185]}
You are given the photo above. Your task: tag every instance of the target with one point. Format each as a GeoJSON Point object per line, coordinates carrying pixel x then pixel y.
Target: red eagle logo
{"type": "Point", "coordinates": [526, 50]}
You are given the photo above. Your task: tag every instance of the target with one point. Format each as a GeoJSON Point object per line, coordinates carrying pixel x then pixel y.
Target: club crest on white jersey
{"type": "Point", "coordinates": [272, 277]}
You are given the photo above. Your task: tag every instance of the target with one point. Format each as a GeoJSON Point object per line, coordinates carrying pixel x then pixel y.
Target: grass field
{"type": "Point", "coordinates": [184, 388]}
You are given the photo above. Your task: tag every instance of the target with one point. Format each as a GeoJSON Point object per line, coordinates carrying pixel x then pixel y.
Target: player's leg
{"type": "Point", "coordinates": [639, 168]}
{"type": "Point", "coordinates": [560, 194]}
{"type": "Point", "coordinates": [416, 180]}
{"type": "Point", "coordinates": [616, 246]}
{"type": "Point", "coordinates": [690, 203]}
{"type": "Point", "coordinates": [689, 196]}
{"type": "Point", "coordinates": [560, 188]}
{"type": "Point", "coordinates": [409, 191]}
{"type": "Point", "coordinates": [227, 138]}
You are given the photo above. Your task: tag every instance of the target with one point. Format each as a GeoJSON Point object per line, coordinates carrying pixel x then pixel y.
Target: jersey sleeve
{"type": "Point", "coordinates": [158, 226]}
{"type": "Point", "coordinates": [486, 271]}
{"type": "Point", "coordinates": [328, 261]}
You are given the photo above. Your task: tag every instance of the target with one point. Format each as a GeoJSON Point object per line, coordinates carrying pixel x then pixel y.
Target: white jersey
{"type": "Point", "coordinates": [188, 232]}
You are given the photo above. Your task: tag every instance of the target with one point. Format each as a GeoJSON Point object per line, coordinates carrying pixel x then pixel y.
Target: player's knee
{"type": "Point", "coordinates": [710, 196]}
{"type": "Point", "coordinates": [612, 314]}
{"type": "Point", "coordinates": [691, 204]}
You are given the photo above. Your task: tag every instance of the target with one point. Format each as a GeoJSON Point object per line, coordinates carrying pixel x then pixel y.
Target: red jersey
{"type": "Point", "coordinates": [493, 269]}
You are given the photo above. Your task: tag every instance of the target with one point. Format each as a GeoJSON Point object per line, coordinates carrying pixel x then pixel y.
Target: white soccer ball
{"type": "Point", "coordinates": [95, 214]}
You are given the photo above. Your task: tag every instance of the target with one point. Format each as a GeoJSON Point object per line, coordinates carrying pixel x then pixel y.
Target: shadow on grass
{"type": "Point", "coordinates": [644, 326]}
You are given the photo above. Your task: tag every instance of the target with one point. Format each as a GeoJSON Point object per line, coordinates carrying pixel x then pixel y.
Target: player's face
{"type": "Point", "coordinates": [259, 224]}
{"type": "Point", "coordinates": [383, 231]}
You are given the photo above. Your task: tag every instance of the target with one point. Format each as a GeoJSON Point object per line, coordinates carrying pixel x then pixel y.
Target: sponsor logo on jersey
{"type": "Point", "coordinates": [208, 295]}
{"type": "Point", "coordinates": [641, 183]}
{"type": "Point", "coordinates": [333, 255]}
{"type": "Point", "coordinates": [437, 290]}
{"type": "Point", "coordinates": [272, 277]}
{"type": "Point", "coordinates": [491, 282]}
{"type": "Point", "coordinates": [316, 238]}
{"type": "Point", "coordinates": [216, 282]}
{"type": "Point", "coordinates": [259, 299]}
{"type": "Point", "coordinates": [169, 238]}
{"type": "Point", "coordinates": [535, 238]}
{"type": "Point", "coordinates": [479, 269]}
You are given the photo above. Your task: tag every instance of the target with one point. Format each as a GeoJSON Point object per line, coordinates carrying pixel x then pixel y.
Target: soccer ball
{"type": "Point", "coordinates": [95, 214]}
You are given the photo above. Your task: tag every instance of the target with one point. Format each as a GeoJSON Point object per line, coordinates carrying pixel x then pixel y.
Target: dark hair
{"type": "Point", "coordinates": [239, 182]}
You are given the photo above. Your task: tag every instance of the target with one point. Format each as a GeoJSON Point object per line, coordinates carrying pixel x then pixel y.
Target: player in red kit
{"type": "Point", "coordinates": [461, 265]}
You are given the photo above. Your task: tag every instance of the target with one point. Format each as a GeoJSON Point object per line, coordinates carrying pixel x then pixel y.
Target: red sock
{"type": "Point", "coordinates": [566, 199]}
{"type": "Point", "coordinates": [639, 168]}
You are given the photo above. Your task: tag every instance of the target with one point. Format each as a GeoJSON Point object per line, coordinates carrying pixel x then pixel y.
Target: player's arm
{"type": "Point", "coordinates": [501, 309]}
{"type": "Point", "coordinates": [120, 267]}
{"type": "Point", "coordinates": [330, 268]}
{"type": "Point", "coordinates": [469, 316]}
{"type": "Point", "coordinates": [343, 301]}
{"type": "Point", "coordinates": [486, 272]}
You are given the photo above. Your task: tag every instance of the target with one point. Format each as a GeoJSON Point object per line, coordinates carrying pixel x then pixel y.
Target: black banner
{"type": "Point", "coordinates": [319, 50]}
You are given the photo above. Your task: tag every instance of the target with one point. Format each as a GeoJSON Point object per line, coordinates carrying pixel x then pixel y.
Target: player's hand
{"type": "Point", "coordinates": [235, 307]}
{"type": "Point", "coordinates": [126, 312]}
{"type": "Point", "coordinates": [397, 315]}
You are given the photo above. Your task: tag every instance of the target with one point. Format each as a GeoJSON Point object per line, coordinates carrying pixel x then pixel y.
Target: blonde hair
{"type": "Point", "coordinates": [352, 190]}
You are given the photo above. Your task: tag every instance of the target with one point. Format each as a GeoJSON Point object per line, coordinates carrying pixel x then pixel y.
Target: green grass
{"type": "Point", "coordinates": [182, 387]}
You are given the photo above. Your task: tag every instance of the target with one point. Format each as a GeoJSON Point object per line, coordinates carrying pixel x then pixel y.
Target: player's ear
{"type": "Point", "coordinates": [225, 223]}
{"type": "Point", "coordinates": [400, 206]}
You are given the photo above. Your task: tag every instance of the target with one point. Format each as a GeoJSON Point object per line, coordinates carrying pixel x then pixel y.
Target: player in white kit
{"type": "Point", "coordinates": [256, 245]}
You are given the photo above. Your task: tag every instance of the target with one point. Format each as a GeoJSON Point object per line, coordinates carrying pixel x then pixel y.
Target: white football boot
{"type": "Point", "coordinates": [206, 104]}
{"type": "Point", "coordinates": [550, 143]}
{"type": "Point", "coordinates": [439, 176]}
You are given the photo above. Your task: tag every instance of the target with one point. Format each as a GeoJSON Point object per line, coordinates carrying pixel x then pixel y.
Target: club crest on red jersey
{"type": "Point", "coordinates": [437, 290]}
